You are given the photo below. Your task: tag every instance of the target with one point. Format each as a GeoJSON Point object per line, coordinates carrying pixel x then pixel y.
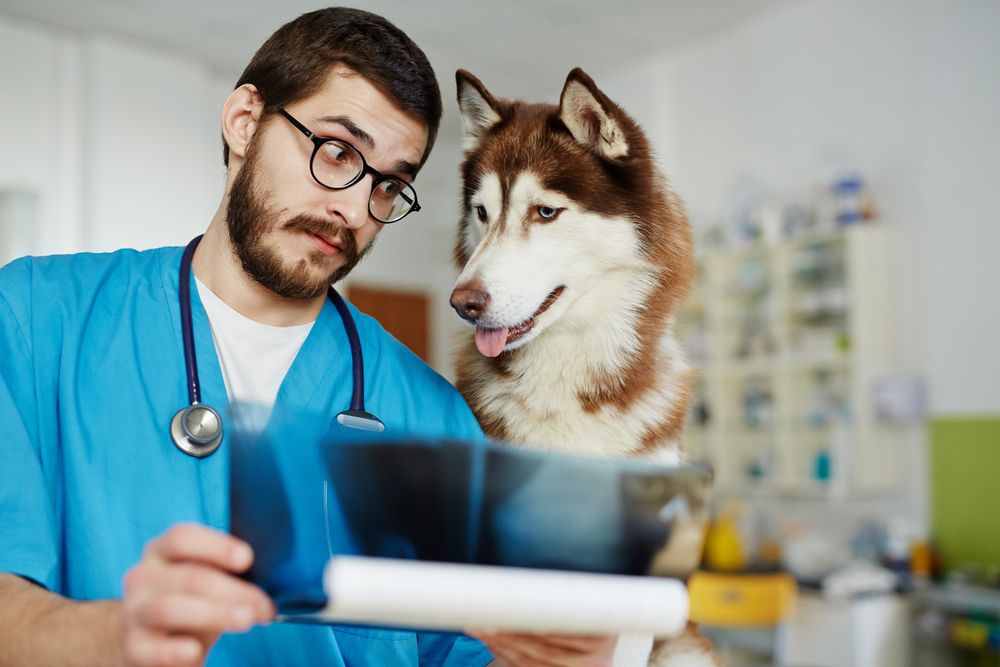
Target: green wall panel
{"type": "Point", "coordinates": [965, 489]}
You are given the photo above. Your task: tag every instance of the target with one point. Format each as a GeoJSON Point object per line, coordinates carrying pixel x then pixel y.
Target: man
{"type": "Point", "coordinates": [113, 545]}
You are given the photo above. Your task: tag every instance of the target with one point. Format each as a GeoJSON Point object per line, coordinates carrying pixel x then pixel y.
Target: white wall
{"type": "Point", "coordinates": [956, 69]}
{"type": "Point", "coordinates": [118, 140]}
{"type": "Point", "coordinates": [39, 135]}
{"type": "Point", "coordinates": [154, 173]}
{"type": "Point", "coordinates": [907, 92]}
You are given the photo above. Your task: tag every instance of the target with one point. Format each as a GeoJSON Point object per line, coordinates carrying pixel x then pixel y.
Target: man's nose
{"type": "Point", "coordinates": [351, 204]}
{"type": "Point", "coordinates": [470, 300]}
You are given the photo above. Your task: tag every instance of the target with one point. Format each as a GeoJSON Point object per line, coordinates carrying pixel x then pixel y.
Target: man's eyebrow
{"type": "Point", "coordinates": [404, 167]}
{"type": "Point", "coordinates": [351, 127]}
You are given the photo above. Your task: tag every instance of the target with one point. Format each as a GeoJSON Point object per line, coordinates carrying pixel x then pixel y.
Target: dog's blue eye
{"type": "Point", "coordinates": [547, 212]}
{"type": "Point", "coordinates": [481, 212]}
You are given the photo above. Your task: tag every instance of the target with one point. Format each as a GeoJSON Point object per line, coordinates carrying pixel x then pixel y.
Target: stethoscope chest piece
{"type": "Point", "coordinates": [197, 430]}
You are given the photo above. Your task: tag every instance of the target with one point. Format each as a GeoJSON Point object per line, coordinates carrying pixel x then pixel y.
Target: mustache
{"type": "Point", "coordinates": [320, 227]}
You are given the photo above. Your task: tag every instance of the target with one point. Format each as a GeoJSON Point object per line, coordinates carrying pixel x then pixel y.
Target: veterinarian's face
{"type": "Point", "coordinates": [291, 234]}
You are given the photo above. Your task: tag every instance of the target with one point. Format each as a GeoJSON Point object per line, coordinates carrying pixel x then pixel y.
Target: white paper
{"type": "Point", "coordinates": [445, 596]}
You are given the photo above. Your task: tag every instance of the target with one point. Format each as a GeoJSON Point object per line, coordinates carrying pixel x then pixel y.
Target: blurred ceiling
{"type": "Point", "coordinates": [523, 47]}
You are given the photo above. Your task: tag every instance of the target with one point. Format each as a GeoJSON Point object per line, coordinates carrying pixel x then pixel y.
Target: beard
{"type": "Point", "coordinates": [250, 220]}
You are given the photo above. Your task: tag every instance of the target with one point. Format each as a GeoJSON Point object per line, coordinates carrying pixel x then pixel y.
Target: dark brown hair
{"type": "Point", "coordinates": [294, 62]}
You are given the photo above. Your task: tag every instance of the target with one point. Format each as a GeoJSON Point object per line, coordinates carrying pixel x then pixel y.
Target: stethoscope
{"type": "Point", "coordinates": [196, 429]}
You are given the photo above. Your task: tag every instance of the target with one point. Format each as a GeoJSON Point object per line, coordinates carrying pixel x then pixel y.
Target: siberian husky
{"type": "Point", "coordinates": [574, 257]}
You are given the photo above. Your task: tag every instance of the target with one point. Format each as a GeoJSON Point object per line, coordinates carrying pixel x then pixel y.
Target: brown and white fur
{"type": "Point", "coordinates": [574, 257]}
{"type": "Point", "coordinates": [599, 369]}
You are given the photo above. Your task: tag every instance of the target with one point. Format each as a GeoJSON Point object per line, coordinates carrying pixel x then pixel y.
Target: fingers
{"type": "Point", "coordinates": [538, 650]}
{"type": "Point", "coordinates": [506, 655]}
{"type": "Point", "coordinates": [184, 593]}
{"type": "Point", "coordinates": [151, 649]}
{"type": "Point", "coordinates": [150, 580]}
{"type": "Point", "coordinates": [579, 643]}
{"type": "Point", "coordinates": [192, 542]}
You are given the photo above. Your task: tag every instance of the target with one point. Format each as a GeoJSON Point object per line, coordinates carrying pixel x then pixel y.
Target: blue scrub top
{"type": "Point", "coordinates": [91, 372]}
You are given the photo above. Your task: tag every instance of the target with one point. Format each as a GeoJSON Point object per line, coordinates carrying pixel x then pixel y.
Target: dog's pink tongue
{"type": "Point", "coordinates": [491, 341]}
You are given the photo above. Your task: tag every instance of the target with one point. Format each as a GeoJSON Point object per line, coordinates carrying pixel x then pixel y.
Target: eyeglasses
{"type": "Point", "coordinates": [337, 165]}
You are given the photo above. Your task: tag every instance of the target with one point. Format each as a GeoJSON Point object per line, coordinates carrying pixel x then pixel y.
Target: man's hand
{"type": "Point", "coordinates": [513, 649]}
{"type": "Point", "coordinates": [183, 594]}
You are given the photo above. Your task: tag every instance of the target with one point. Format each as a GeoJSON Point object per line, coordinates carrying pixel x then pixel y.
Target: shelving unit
{"type": "Point", "coordinates": [788, 339]}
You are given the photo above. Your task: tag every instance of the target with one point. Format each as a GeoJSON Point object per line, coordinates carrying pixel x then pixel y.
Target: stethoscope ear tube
{"type": "Point", "coordinates": [196, 429]}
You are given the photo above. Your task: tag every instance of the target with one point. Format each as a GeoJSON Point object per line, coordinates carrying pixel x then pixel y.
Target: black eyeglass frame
{"type": "Point", "coordinates": [378, 177]}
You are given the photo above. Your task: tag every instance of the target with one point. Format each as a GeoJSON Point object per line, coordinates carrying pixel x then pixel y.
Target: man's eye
{"type": "Point", "coordinates": [390, 188]}
{"type": "Point", "coordinates": [336, 152]}
{"type": "Point", "coordinates": [481, 212]}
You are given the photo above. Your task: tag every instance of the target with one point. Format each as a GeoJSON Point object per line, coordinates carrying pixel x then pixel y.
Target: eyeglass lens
{"type": "Point", "coordinates": [337, 164]}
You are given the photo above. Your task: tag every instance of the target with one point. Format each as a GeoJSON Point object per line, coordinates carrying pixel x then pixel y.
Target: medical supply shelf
{"type": "Point", "coordinates": [788, 339]}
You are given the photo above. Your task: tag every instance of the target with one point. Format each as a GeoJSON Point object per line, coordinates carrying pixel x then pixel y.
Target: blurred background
{"type": "Point", "coordinates": [839, 161]}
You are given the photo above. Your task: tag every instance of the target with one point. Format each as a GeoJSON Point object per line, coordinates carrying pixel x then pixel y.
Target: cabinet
{"type": "Point", "coordinates": [789, 339]}
{"type": "Point", "coordinates": [867, 631]}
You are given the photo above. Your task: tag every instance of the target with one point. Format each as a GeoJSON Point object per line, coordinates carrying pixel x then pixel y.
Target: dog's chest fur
{"type": "Point", "coordinates": [584, 393]}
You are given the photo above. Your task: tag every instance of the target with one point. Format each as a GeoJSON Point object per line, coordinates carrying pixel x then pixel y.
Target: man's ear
{"type": "Point", "coordinates": [480, 110]}
{"type": "Point", "coordinates": [241, 117]}
{"type": "Point", "coordinates": [594, 121]}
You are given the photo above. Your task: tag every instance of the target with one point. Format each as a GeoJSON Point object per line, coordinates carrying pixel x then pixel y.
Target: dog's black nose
{"type": "Point", "coordinates": [469, 301]}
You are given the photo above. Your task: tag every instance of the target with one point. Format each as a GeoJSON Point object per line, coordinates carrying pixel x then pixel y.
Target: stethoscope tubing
{"type": "Point", "coordinates": [187, 329]}
{"type": "Point", "coordinates": [357, 361]}
{"type": "Point", "coordinates": [201, 445]}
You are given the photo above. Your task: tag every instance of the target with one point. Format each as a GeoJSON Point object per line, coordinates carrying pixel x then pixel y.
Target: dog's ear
{"type": "Point", "coordinates": [480, 110]}
{"type": "Point", "coordinates": [593, 119]}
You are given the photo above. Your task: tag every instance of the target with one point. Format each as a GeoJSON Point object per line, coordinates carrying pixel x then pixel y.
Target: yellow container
{"type": "Point", "coordinates": [723, 548]}
{"type": "Point", "coordinates": [741, 600]}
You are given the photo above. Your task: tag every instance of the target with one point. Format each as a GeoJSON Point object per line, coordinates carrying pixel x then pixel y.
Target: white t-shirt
{"type": "Point", "coordinates": [254, 357]}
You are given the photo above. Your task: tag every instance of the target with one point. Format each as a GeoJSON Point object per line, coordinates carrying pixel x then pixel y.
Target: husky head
{"type": "Point", "coordinates": [565, 219]}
